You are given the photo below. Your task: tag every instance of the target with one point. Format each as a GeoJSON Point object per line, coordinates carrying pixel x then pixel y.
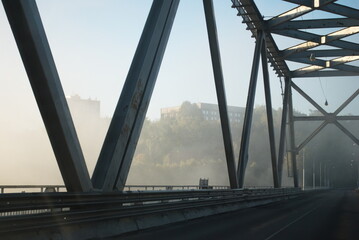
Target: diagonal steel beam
{"type": "Point", "coordinates": [349, 100]}
{"type": "Point", "coordinates": [267, 92]}
{"type": "Point", "coordinates": [314, 40]}
{"type": "Point", "coordinates": [309, 99]}
{"type": "Point", "coordinates": [220, 89]}
{"type": "Point", "coordinates": [30, 36]}
{"type": "Point", "coordinates": [347, 132]}
{"type": "Point", "coordinates": [312, 135]}
{"type": "Point", "coordinates": [116, 154]}
{"type": "Point", "coordinates": [317, 23]}
{"type": "Point", "coordinates": [247, 123]}
{"type": "Point", "coordinates": [341, 10]}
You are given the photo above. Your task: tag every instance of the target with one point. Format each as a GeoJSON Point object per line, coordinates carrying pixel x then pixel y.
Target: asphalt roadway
{"type": "Point", "coordinates": [328, 215]}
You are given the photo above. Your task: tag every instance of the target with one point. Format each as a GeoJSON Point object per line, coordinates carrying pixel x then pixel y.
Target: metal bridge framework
{"type": "Point", "coordinates": [116, 155]}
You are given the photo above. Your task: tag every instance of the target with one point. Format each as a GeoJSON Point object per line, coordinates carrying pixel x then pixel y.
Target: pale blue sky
{"type": "Point", "coordinates": [93, 43]}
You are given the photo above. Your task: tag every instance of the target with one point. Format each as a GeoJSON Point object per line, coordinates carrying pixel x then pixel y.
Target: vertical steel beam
{"type": "Point", "coordinates": [220, 89]}
{"type": "Point", "coordinates": [267, 92]}
{"type": "Point", "coordinates": [25, 22]}
{"type": "Point", "coordinates": [293, 150]}
{"type": "Point", "coordinates": [282, 139]}
{"type": "Point", "coordinates": [247, 124]}
{"type": "Point", "coordinates": [116, 155]}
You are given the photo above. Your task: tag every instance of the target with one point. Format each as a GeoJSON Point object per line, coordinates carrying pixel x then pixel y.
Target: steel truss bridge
{"type": "Point", "coordinates": [100, 202]}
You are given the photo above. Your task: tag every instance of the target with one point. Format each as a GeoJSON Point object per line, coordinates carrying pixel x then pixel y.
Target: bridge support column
{"type": "Point", "coordinates": [269, 114]}
{"type": "Point", "coordinates": [282, 139]}
{"type": "Point", "coordinates": [116, 155]}
{"type": "Point", "coordinates": [221, 94]}
{"type": "Point", "coordinates": [293, 150]}
{"type": "Point", "coordinates": [247, 124]}
{"type": "Point", "coordinates": [30, 36]}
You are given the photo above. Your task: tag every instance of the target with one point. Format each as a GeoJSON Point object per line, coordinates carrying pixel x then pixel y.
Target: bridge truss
{"type": "Point", "coordinates": [118, 148]}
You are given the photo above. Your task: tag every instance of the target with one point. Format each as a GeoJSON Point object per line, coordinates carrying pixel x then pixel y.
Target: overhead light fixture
{"type": "Point", "coordinates": [312, 57]}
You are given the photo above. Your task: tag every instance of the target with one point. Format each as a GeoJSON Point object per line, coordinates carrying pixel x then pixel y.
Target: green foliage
{"type": "Point", "coordinates": [183, 149]}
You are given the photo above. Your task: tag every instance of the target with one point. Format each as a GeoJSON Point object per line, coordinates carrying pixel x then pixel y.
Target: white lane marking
{"type": "Point", "coordinates": [296, 220]}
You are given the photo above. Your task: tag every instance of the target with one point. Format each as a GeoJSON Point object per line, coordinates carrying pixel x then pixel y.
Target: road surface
{"type": "Point", "coordinates": [327, 215]}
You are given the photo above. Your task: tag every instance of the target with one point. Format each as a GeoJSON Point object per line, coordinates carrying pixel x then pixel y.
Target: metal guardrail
{"type": "Point", "coordinates": [61, 188]}
{"type": "Point", "coordinates": [32, 188]}
{"type": "Point", "coordinates": [40, 210]}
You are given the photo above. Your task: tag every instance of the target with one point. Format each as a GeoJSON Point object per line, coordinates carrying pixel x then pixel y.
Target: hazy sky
{"type": "Point", "coordinates": [93, 42]}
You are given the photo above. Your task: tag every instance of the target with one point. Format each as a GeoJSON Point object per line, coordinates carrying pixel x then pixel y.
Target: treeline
{"type": "Point", "coordinates": [179, 151]}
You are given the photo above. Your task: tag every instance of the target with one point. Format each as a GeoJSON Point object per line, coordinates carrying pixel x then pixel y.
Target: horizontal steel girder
{"type": "Point", "coordinates": [318, 23]}
{"type": "Point", "coordinates": [319, 64]}
{"type": "Point", "coordinates": [293, 13]}
{"type": "Point", "coordinates": [323, 118]}
{"type": "Point", "coordinates": [314, 40]}
{"type": "Point", "coordinates": [324, 74]}
{"type": "Point", "coordinates": [332, 8]}
{"type": "Point", "coordinates": [322, 53]}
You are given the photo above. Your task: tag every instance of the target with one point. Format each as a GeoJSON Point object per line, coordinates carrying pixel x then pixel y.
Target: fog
{"type": "Point", "coordinates": [176, 151]}
{"type": "Point", "coordinates": [93, 45]}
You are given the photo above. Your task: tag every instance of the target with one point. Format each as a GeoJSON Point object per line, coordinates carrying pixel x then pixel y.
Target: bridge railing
{"type": "Point", "coordinates": [25, 213]}
{"type": "Point", "coordinates": [14, 204]}
{"type": "Point", "coordinates": [62, 188]}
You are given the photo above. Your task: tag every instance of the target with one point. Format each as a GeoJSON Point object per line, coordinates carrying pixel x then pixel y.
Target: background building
{"type": "Point", "coordinates": [209, 111]}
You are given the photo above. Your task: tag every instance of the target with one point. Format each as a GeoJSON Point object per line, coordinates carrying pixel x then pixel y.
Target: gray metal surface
{"type": "Point", "coordinates": [220, 90]}
{"type": "Point", "coordinates": [283, 128]}
{"type": "Point", "coordinates": [292, 151]}
{"type": "Point", "coordinates": [116, 154]}
{"type": "Point", "coordinates": [25, 22]}
{"type": "Point", "coordinates": [288, 24]}
{"type": "Point", "coordinates": [247, 122]}
{"type": "Point", "coordinates": [268, 98]}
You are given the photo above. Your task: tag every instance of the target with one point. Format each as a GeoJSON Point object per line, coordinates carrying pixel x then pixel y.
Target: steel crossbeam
{"type": "Point", "coordinates": [332, 8]}
{"type": "Point", "coordinates": [295, 12]}
{"type": "Point", "coordinates": [322, 23]}
{"type": "Point", "coordinates": [326, 118]}
{"type": "Point", "coordinates": [314, 40]}
{"type": "Point", "coordinates": [285, 24]}
{"type": "Point", "coordinates": [337, 63]}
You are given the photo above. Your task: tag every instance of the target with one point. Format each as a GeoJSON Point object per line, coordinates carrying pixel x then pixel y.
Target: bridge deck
{"type": "Point", "coordinates": [327, 215]}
